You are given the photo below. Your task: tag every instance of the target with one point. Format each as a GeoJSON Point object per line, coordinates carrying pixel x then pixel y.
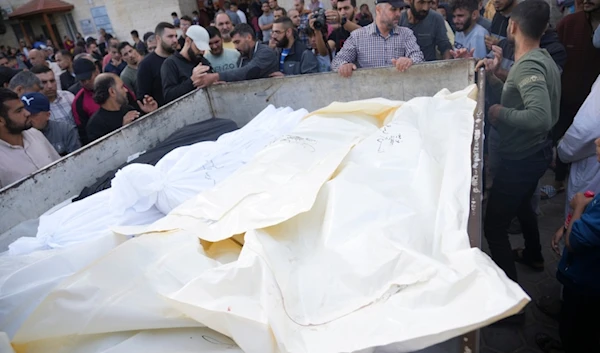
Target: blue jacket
{"type": "Point", "coordinates": [579, 268]}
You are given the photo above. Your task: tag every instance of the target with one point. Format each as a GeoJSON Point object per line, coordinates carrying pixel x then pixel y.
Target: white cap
{"type": "Point", "coordinates": [200, 37]}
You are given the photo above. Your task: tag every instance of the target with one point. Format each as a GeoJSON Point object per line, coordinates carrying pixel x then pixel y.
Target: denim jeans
{"type": "Point", "coordinates": [515, 182]}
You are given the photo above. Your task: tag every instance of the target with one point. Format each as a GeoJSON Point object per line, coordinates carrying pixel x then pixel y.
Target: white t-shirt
{"type": "Point", "coordinates": [475, 39]}
{"type": "Point", "coordinates": [228, 60]}
{"type": "Point", "coordinates": [242, 16]}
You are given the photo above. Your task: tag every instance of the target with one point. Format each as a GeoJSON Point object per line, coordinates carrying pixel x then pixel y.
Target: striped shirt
{"type": "Point", "coordinates": [60, 109]}
{"type": "Point", "coordinates": [366, 47]}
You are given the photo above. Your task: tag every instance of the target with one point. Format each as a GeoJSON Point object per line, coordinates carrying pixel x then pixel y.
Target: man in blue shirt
{"type": "Point", "coordinates": [469, 34]}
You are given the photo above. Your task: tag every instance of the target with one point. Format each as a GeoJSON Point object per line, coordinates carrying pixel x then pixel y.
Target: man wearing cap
{"type": "Point", "coordinates": [382, 43]}
{"type": "Point", "coordinates": [180, 69]}
{"type": "Point", "coordinates": [116, 109]}
{"type": "Point", "coordinates": [62, 136]}
{"type": "Point", "coordinates": [83, 106]}
{"type": "Point", "coordinates": [23, 150]}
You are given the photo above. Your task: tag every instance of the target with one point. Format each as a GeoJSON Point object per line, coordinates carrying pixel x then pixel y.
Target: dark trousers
{"type": "Point", "coordinates": [510, 196]}
{"type": "Point", "coordinates": [579, 322]}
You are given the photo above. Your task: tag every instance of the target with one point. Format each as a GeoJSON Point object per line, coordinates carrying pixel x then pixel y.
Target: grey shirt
{"type": "Point", "coordinates": [430, 33]}
{"type": "Point", "coordinates": [64, 138]}
{"type": "Point", "coordinates": [265, 20]}
{"type": "Point", "coordinates": [263, 63]}
{"type": "Point", "coordinates": [129, 76]}
{"type": "Point", "coordinates": [485, 23]}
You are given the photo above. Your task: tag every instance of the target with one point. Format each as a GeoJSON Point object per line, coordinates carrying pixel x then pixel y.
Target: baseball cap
{"type": "Point", "coordinates": [36, 102]}
{"type": "Point", "coordinates": [399, 4]}
{"type": "Point", "coordinates": [200, 37]}
{"type": "Point", "coordinates": [83, 69]}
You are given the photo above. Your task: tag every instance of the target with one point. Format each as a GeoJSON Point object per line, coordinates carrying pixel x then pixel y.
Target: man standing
{"type": "Point", "coordinates": [382, 43]}
{"type": "Point", "coordinates": [151, 43]}
{"type": "Point", "coordinates": [138, 43]}
{"type": "Point", "coordinates": [234, 8]}
{"type": "Point", "coordinates": [133, 58]}
{"type": "Point", "coordinates": [347, 14]}
{"type": "Point", "coordinates": [60, 101]}
{"type": "Point", "coordinates": [220, 59]}
{"type": "Point", "coordinates": [148, 77]}
{"type": "Point", "coordinates": [235, 19]}
{"type": "Point", "coordinates": [279, 13]}
{"type": "Point", "coordinates": [429, 28]}
{"type": "Point", "coordinates": [184, 24]}
{"type": "Point", "coordinates": [500, 21]}
{"type": "Point", "coordinates": [258, 60]}
{"type": "Point", "coordinates": [64, 59]}
{"type": "Point", "coordinates": [92, 48]}
{"type": "Point", "coordinates": [223, 23]}
{"type": "Point", "coordinates": [24, 82]}
{"type": "Point", "coordinates": [469, 35]}
{"type": "Point", "coordinates": [116, 64]}
{"type": "Point", "coordinates": [83, 106]}
{"type": "Point", "coordinates": [62, 136]}
{"type": "Point", "coordinates": [294, 57]}
{"type": "Point", "coordinates": [37, 57]}
{"type": "Point", "coordinates": [528, 110]}
{"type": "Point", "coordinates": [114, 110]}
{"type": "Point", "coordinates": [179, 70]}
{"type": "Point", "coordinates": [265, 22]}
{"type": "Point", "coordinates": [23, 150]}
{"type": "Point", "coordinates": [302, 25]}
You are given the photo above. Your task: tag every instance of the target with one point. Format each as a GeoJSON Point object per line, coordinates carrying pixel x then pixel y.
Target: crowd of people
{"type": "Point", "coordinates": [538, 77]}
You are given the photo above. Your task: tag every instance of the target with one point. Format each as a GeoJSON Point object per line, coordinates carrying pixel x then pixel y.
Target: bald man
{"type": "Point", "coordinates": [112, 95]}
{"type": "Point", "coordinates": [224, 25]}
{"type": "Point", "coordinates": [38, 57]}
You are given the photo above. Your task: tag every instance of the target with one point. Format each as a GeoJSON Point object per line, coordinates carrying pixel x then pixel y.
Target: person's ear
{"type": "Point", "coordinates": [474, 15]}
{"type": "Point", "coordinates": [112, 91]}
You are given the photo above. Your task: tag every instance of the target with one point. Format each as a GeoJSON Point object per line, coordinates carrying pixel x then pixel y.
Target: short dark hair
{"type": "Point", "coordinates": [101, 87]}
{"type": "Point", "coordinates": [213, 32]}
{"type": "Point", "coordinates": [135, 33]}
{"type": "Point", "coordinates": [148, 35]}
{"type": "Point", "coordinates": [243, 29]}
{"type": "Point", "coordinates": [174, 14]}
{"type": "Point", "coordinates": [352, 2]}
{"type": "Point", "coordinates": [160, 28]}
{"type": "Point", "coordinates": [65, 52]}
{"type": "Point", "coordinates": [285, 21]}
{"type": "Point", "coordinates": [532, 17]}
{"type": "Point", "coordinates": [124, 45]}
{"type": "Point", "coordinates": [6, 95]}
{"type": "Point", "coordinates": [40, 69]}
{"type": "Point", "coordinates": [469, 5]}
{"type": "Point", "coordinates": [195, 12]}
{"type": "Point", "coordinates": [280, 9]}
{"type": "Point", "coordinates": [186, 18]}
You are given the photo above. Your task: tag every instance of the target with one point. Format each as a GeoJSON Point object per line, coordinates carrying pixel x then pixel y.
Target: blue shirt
{"type": "Point", "coordinates": [475, 39]}
{"type": "Point", "coordinates": [284, 53]}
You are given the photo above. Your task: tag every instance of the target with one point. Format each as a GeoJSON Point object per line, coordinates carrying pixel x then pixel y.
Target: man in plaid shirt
{"type": "Point", "coordinates": [382, 43]}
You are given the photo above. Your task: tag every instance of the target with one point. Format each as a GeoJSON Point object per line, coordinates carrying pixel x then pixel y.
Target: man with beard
{"type": "Point", "coordinates": [149, 77]}
{"type": "Point", "coordinates": [382, 43]}
{"type": "Point", "coordinates": [223, 23]}
{"type": "Point", "coordinates": [294, 57]}
{"type": "Point", "coordinates": [181, 69]}
{"type": "Point", "coordinates": [116, 64]}
{"type": "Point", "coordinates": [347, 15]}
{"type": "Point", "coordinates": [258, 60]}
{"type": "Point", "coordinates": [530, 100]}
{"type": "Point", "coordinates": [429, 28]}
{"type": "Point", "coordinates": [112, 96]}
{"type": "Point", "coordinates": [469, 35]}
{"type": "Point", "coordinates": [62, 136]}
{"type": "Point", "coordinates": [302, 22]}
{"type": "Point", "coordinates": [500, 21]}
{"type": "Point", "coordinates": [60, 101]}
{"type": "Point", "coordinates": [23, 150]}
{"type": "Point", "coordinates": [132, 57]}
{"type": "Point", "coordinates": [220, 59]}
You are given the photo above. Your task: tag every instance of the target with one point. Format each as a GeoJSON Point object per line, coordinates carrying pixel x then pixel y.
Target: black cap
{"type": "Point", "coordinates": [399, 4]}
{"type": "Point", "coordinates": [83, 69]}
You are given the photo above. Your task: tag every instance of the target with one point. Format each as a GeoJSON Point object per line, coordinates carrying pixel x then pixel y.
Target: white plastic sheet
{"type": "Point", "coordinates": [378, 257]}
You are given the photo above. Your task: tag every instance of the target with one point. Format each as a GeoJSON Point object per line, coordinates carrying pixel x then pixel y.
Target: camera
{"type": "Point", "coordinates": [319, 16]}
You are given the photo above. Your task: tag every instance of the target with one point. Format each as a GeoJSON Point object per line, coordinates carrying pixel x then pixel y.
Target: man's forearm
{"type": "Point", "coordinates": [447, 55]}
{"type": "Point", "coordinates": [321, 45]}
{"type": "Point", "coordinates": [576, 216]}
{"type": "Point", "coordinates": [351, 26]}
{"type": "Point", "coordinates": [501, 74]}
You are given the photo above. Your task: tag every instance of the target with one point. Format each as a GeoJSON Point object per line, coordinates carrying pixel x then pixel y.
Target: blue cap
{"type": "Point", "coordinates": [36, 102]}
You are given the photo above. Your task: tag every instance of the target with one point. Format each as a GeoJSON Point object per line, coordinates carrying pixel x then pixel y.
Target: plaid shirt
{"type": "Point", "coordinates": [302, 30]}
{"type": "Point", "coordinates": [60, 109]}
{"type": "Point", "coordinates": [366, 47]}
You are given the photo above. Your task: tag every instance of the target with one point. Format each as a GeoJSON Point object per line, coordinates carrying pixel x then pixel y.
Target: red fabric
{"type": "Point", "coordinates": [106, 60]}
{"type": "Point", "coordinates": [89, 107]}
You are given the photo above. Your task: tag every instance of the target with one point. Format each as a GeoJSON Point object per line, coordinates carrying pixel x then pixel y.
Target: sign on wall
{"type": "Point", "coordinates": [87, 27]}
{"type": "Point", "coordinates": [101, 18]}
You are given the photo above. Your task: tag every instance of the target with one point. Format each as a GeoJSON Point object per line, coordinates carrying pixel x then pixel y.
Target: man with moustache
{"type": "Point", "coordinates": [302, 22]}
{"type": "Point", "coordinates": [294, 57]}
{"type": "Point", "coordinates": [469, 34]}
{"type": "Point", "coordinates": [132, 57]}
{"type": "Point", "coordinates": [223, 24]}
{"type": "Point", "coordinates": [382, 43]}
{"type": "Point", "coordinates": [500, 21]}
{"type": "Point", "coordinates": [23, 150]}
{"type": "Point", "coordinates": [220, 59]}
{"type": "Point", "coordinates": [149, 71]}
{"type": "Point", "coordinates": [429, 28]}
{"type": "Point", "coordinates": [179, 71]}
{"type": "Point", "coordinates": [346, 10]}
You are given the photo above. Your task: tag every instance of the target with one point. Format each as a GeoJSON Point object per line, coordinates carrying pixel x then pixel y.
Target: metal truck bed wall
{"type": "Point", "coordinates": [240, 102]}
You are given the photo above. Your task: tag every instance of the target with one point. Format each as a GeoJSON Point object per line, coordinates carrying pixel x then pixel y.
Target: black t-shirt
{"type": "Point", "coordinates": [104, 122]}
{"type": "Point", "coordinates": [148, 78]}
{"type": "Point", "coordinates": [339, 36]}
{"type": "Point", "coordinates": [181, 42]}
{"type": "Point", "coordinates": [499, 25]}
